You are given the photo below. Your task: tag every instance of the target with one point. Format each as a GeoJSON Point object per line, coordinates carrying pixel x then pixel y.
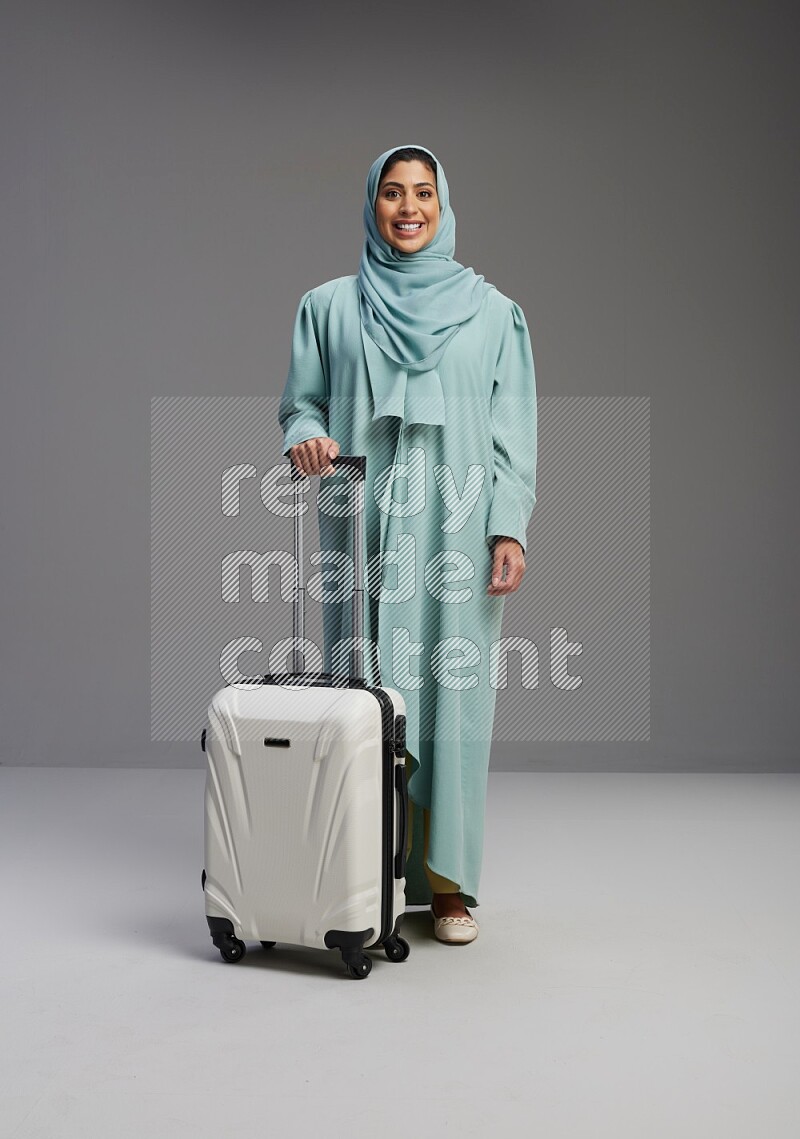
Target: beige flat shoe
{"type": "Point", "coordinates": [454, 931]}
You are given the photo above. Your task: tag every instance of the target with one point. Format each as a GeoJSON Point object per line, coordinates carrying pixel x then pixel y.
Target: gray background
{"type": "Point", "coordinates": [176, 175]}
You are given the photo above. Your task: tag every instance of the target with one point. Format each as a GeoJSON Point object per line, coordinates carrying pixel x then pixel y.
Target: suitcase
{"type": "Point", "coordinates": [306, 798]}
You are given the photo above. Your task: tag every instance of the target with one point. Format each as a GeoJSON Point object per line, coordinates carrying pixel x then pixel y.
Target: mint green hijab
{"type": "Point", "coordinates": [412, 305]}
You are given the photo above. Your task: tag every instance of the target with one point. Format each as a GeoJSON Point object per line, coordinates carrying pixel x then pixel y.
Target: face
{"type": "Point", "coordinates": [407, 206]}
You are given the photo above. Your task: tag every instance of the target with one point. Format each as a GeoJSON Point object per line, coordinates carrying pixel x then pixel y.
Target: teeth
{"type": "Point", "coordinates": [409, 225]}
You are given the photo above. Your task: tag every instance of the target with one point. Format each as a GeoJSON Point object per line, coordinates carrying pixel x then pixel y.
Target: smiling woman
{"type": "Point", "coordinates": [425, 368]}
{"type": "Point", "coordinates": [407, 206]}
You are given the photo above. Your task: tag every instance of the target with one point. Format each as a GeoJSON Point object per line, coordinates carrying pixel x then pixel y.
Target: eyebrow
{"type": "Point", "coordinates": [400, 184]}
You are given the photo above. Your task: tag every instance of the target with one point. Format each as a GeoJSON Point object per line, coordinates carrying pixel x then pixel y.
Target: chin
{"type": "Point", "coordinates": [405, 248]}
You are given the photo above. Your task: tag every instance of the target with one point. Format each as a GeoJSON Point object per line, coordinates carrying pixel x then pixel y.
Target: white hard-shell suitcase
{"type": "Point", "coordinates": [306, 800]}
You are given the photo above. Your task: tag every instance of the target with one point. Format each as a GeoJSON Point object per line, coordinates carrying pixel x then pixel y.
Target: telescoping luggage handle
{"type": "Point", "coordinates": [356, 674]}
{"type": "Point", "coordinates": [359, 464]}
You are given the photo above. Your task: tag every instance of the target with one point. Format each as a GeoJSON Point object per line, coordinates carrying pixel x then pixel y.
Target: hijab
{"type": "Point", "coordinates": [411, 306]}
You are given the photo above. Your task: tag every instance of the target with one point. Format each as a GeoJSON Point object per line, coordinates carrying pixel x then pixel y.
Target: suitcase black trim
{"type": "Point", "coordinates": [388, 868]}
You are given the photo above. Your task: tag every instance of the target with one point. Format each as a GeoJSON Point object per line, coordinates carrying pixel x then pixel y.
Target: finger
{"type": "Point", "coordinates": [296, 456]}
{"type": "Point", "coordinates": [516, 572]}
{"type": "Point", "coordinates": [501, 587]}
{"type": "Point", "coordinates": [334, 451]}
{"type": "Point", "coordinates": [311, 457]}
{"type": "Point", "coordinates": [514, 568]}
{"type": "Point", "coordinates": [330, 450]}
{"type": "Point", "coordinates": [514, 579]}
{"type": "Point", "coordinates": [323, 456]}
{"type": "Point", "coordinates": [497, 568]}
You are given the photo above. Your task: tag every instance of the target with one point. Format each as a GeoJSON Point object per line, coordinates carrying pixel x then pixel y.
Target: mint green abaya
{"type": "Point", "coordinates": [451, 464]}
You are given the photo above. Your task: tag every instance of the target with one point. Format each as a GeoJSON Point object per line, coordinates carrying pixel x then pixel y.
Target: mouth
{"type": "Point", "coordinates": [406, 228]}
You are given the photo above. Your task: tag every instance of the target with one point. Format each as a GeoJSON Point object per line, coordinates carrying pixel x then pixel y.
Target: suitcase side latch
{"type": "Point", "coordinates": [400, 735]}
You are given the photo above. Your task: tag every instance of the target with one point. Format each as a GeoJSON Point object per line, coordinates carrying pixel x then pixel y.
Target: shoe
{"type": "Point", "coordinates": [454, 931]}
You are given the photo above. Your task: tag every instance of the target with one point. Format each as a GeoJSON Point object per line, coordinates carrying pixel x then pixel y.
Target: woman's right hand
{"type": "Point", "coordinates": [313, 456]}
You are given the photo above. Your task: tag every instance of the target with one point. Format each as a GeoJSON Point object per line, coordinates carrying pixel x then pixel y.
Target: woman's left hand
{"type": "Point", "coordinates": [506, 552]}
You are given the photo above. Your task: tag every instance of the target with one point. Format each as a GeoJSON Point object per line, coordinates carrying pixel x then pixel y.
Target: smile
{"type": "Point", "coordinates": [408, 226]}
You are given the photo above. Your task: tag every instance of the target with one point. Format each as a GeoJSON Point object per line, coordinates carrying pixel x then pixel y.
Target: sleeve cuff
{"type": "Point", "coordinates": [506, 519]}
{"type": "Point", "coordinates": [305, 427]}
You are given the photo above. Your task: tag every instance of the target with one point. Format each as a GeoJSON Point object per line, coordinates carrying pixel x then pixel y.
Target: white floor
{"type": "Point", "coordinates": [636, 974]}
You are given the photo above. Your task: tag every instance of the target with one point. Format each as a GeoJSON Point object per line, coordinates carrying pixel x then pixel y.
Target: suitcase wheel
{"type": "Point", "coordinates": [358, 965]}
{"type": "Point", "coordinates": [396, 949]}
{"type": "Point", "coordinates": [268, 944]}
{"type": "Point", "coordinates": [232, 949]}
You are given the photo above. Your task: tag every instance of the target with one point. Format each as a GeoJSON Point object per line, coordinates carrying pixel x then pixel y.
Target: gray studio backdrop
{"type": "Point", "coordinates": [177, 175]}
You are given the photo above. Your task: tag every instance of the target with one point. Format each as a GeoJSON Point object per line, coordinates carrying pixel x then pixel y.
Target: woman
{"type": "Point", "coordinates": [421, 365]}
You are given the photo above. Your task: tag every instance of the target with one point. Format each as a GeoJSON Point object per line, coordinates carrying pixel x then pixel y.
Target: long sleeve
{"type": "Point", "coordinates": [303, 411]}
{"type": "Point", "coordinates": [514, 423]}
